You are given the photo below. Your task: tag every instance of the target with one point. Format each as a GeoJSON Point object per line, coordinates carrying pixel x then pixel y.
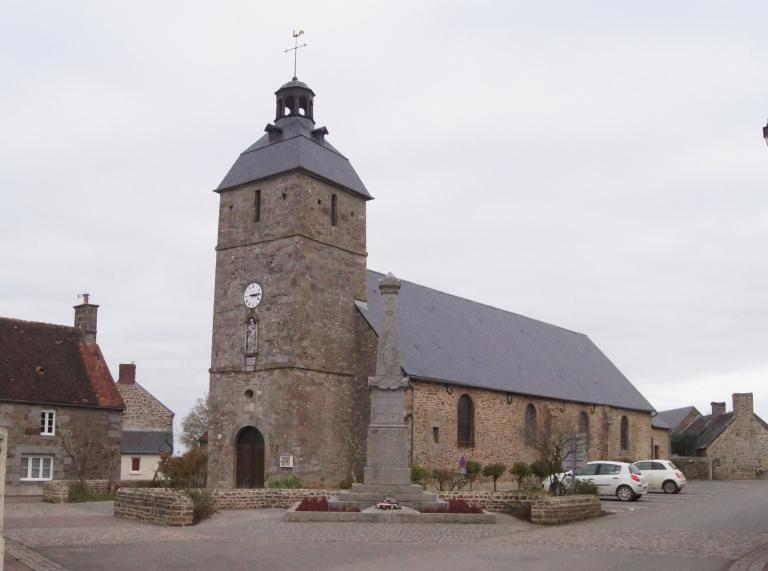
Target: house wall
{"type": "Point", "coordinates": [500, 426]}
{"type": "Point", "coordinates": [741, 451]}
{"type": "Point", "coordinates": [147, 466]}
{"type": "Point", "coordinates": [142, 410]}
{"type": "Point", "coordinates": [83, 425]}
{"type": "Point", "coordinates": [662, 439]}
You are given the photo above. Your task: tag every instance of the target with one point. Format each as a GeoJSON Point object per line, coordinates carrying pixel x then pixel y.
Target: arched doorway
{"type": "Point", "coordinates": [249, 468]}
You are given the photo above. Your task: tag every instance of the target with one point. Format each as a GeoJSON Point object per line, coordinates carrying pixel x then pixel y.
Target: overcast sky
{"type": "Point", "coordinates": [595, 165]}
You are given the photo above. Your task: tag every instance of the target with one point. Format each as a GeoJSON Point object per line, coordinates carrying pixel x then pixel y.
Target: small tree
{"type": "Point", "coordinates": [442, 476]}
{"type": "Point", "coordinates": [552, 450]}
{"type": "Point", "coordinates": [79, 448]}
{"type": "Point", "coordinates": [473, 471]}
{"type": "Point", "coordinates": [684, 444]}
{"type": "Point", "coordinates": [494, 471]}
{"type": "Point", "coordinates": [520, 470]}
{"type": "Point", "coordinates": [186, 471]}
{"type": "Point", "coordinates": [195, 424]}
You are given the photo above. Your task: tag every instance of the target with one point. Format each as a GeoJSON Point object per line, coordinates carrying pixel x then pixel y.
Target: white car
{"type": "Point", "coordinates": [662, 475]}
{"type": "Point", "coordinates": [618, 479]}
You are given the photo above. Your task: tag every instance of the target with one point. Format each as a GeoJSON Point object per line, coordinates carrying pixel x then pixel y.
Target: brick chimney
{"type": "Point", "coordinates": [127, 374]}
{"type": "Point", "coordinates": [85, 318]}
{"type": "Point", "coordinates": [718, 408]}
{"type": "Point", "coordinates": [742, 405]}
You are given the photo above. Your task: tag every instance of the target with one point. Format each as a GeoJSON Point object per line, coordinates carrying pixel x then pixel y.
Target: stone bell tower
{"type": "Point", "coordinates": [285, 377]}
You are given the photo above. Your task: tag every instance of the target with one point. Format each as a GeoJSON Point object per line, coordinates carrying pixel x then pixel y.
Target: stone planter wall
{"type": "Point", "coordinates": [57, 491]}
{"type": "Point", "coordinates": [502, 502]}
{"type": "Point", "coordinates": [154, 505]}
{"type": "Point", "coordinates": [553, 510]}
{"type": "Point", "coordinates": [260, 498]}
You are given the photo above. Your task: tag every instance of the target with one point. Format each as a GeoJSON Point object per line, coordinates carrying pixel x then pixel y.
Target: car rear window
{"type": "Point", "coordinates": [633, 469]}
{"type": "Point", "coordinates": [610, 469]}
{"type": "Point", "coordinates": [672, 465]}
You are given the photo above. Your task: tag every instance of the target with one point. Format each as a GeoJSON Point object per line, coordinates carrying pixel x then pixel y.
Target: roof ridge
{"type": "Point", "coordinates": [487, 305]}
{"type": "Point", "coordinates": [45, 323]}
{"type": "Point", "coordinates": [329, 148]}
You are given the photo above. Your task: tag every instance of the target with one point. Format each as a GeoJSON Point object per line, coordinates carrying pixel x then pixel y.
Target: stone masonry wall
{"type": "Point", "coordinates": [553, 510]}
{"type": "Point", "coordinates": [741, 451]}
{"type": "Point", "coordinates": [57, 491]}
{"type": "Point", "coordinates": [102, 427]}
{"type": "Point", "coordinates": [500, 426]}
{"type": "Point", "coordinates": [142, 410]}
{"type": "Point", "coordinates": [694, 467]}
{"type": "Point", "coordinates": [154, 505]}
{"type": "Point", "coordinates": [661, 438]}
{"type": "Point", "coordinates": [264, 498]}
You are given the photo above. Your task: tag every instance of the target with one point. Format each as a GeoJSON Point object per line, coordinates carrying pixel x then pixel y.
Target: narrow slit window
{"type": "Point", "coordinates": [436, 434]}
{"type": "Point", "coordinates": [257, 206]}
{"type": "Point", "coordinates": [334, 212]}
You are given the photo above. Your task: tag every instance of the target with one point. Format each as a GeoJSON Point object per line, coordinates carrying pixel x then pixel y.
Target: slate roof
{"type": "Point", "coordinates": [295, 148]}
{"type": "Point", "coordinates": [51, 364]}
{"type": "Point", "coordinates": [147, 442]}
{"type": "Point", "coordinates": [454, 340]}
{"type": "Point", "coordinates": [675, 416]}
{"type": "Point", "coordinates": [708, 428]}
{"type": "Point", "coordinates": [657, 422]}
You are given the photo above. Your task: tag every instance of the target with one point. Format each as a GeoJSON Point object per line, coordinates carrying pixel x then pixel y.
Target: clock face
{"type": "Point", "coordinates": [252, 295]}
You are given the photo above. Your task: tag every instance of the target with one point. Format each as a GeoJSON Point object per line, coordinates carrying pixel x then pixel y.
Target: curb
{"type": "Point", "coordinates": [755, 560]}
{"type": "Point", "coordinates": [30, 558]}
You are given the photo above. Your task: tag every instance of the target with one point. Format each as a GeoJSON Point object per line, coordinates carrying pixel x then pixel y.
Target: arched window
{"type": "Point", "coordinates": [624, 433]}
{"type": "Point", "coordinates": [584, 425]}
{"type": "Point", "coordinates": [466, 420]}
{"type": "Point", "coordinates": [531, 428]}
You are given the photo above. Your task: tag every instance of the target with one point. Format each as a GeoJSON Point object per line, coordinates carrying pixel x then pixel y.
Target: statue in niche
{"type": "Point", "coordinates": [250, 336]}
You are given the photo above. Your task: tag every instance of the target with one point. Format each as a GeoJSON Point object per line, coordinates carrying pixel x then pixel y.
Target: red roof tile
{"type": "Point", "coordinates": [52, 364]}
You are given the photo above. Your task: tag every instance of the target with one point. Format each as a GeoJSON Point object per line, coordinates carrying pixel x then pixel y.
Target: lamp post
{"type": "Point", "coordinates": [765, 133]}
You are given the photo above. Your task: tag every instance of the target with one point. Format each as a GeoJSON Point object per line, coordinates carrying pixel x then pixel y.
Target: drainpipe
{"type": "Point", "coordinates": [413, 419]}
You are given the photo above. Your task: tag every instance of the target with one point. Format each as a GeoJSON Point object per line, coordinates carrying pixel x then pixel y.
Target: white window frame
{"type": "Point", "coordinates": [43, 458]}
{"type": "Point", "coordinates": [48, 420]}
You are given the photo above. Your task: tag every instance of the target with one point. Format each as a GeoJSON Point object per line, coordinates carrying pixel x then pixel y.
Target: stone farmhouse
{"type": "Point", "coordinates": [296, 314]}
{"type": "Point", "coordinates": [58, 402]}
{"type": "Point", "coordinates": [147, 428]}
{"type": "Point", "coordinates": [736, 442]}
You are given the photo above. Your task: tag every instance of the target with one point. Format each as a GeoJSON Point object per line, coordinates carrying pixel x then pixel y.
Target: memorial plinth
{"type": "Point", "coordinates": [387, 472]}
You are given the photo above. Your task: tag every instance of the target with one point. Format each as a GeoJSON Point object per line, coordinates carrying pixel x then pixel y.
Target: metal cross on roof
{"type": "Point", "coordinates": [295, 49]}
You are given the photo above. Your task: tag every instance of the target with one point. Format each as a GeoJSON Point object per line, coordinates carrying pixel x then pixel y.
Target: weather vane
{"type": "Point", "coordinates": [295, 49]}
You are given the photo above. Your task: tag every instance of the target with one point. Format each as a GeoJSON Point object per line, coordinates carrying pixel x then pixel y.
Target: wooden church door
{"type": "Point", "coordinates": [250, 458]}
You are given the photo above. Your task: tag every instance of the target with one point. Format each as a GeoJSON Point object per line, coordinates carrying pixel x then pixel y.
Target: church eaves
{"type": "Point", "coordinates": [456, 341]}
{"type": "Point", "coordinates": [293, 143]}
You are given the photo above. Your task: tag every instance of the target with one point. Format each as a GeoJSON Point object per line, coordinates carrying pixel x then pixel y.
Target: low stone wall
{"type": "Point", "coordinates": [553, 510]}
{"type": "Point", "coordinates": [694, 467]}
{"type": "Point", "coordinates": [154, 505]}
{"type": "Point", "coordinates": [57, 491]}
{"type": "Point", "coordinates": [502, 502]}
{"type": "Point", "coordinates": [260, 498]}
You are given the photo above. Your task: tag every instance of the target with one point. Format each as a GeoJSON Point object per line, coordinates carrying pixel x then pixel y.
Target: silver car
{"type": "Point", "coordinates": [662, 475]}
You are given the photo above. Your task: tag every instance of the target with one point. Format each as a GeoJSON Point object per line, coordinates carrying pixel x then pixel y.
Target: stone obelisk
{"type": "Point", "coordinates": [387, 456]}
{"type": "Point", "coordinates": [387, 473]}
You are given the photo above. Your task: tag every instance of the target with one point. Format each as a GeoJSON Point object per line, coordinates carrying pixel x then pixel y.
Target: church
{"type": "Point", "coordinates": [295, 320]}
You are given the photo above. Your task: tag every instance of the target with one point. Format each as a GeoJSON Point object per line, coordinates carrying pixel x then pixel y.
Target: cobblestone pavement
{"type": "Point", "coordinates": [720, 521]}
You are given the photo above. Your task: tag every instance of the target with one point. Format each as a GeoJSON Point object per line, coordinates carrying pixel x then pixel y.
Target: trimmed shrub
{"type": "Point", "coordinates": [202, 505]}
{"type": "Point", "coordinates": [186, 471]}
{"type": "Point", "coordinates": [443, 476]}
{"type": "Point", "coordinates": [494, 471]}
{"type": "Point", "coordinates": [345, 484]}
{"type": "Point", "coordinates": [520, 470]}
{"type": "Point", "coordinates": [419, 474]}
{"type": "Point", "coordinates": [584, 487]}
{"type": "Point", "coordinates": [286, 481]}
{"type": "Point", "coordinates": [473, 471]}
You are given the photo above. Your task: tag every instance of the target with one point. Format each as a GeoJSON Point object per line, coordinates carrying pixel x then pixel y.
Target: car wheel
{"type": "Point", "coordinates": [670, 487]}
{"type": "Point", "coordinates": [637, 497]}
{"type": "Point", "coordinates": [625, 494]}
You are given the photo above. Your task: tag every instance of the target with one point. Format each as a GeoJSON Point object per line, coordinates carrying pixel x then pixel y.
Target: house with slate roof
{"type": "Point", "coordinates": [58, 402]}
{"type": "Point", "coordinates": [147, 428]}
{"type": "Point", "coordinates": [736, 442]}
{"type": "Point", "coordinates": [295, 320]}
